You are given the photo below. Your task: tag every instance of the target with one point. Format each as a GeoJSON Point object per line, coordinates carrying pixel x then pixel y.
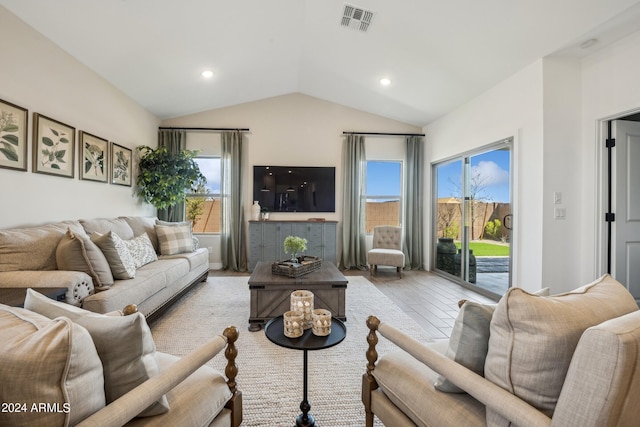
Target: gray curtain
{"type": "Point", "coordinates": [413, 199]}
{"type": "Point", "coordinates": [354, 251]}
{"type": "Point", "coordinates": [175, 141]}
{"type": "Point", "coordinates": [232, 242]}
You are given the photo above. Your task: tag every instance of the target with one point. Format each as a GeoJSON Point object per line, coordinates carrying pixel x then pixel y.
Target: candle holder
{"type": "Point", "coordinates": [321, 322]}
{"type": "Point", "coordinates": [293, 324]}
{"type": "Point", "coordinates": [302, 301]}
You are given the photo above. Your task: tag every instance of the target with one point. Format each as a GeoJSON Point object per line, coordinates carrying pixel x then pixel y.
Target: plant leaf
{"type": "Point", "coordinates": [64, 140]}
{"type": "Point", "coordinates": [9, 153]}
{"type": "Point", "coordinates": [11, 128]}
{"type": "Point", "coordinates": [47, 141]}
{"type": "Point", "coordinates": [12, 139]}
{"type": "Point", "coordinates": [55, 132]}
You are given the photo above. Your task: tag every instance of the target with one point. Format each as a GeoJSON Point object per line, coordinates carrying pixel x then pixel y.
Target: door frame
{"type": "Point", "coordinates": [602, 190]}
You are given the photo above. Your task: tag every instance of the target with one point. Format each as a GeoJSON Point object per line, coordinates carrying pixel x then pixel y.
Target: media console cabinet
{"type": "Point", "coordinates": [266, 240]}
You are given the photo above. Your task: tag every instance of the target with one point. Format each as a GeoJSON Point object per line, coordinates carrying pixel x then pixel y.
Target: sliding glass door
{"type": "Point", "coordinates": [472, 218]}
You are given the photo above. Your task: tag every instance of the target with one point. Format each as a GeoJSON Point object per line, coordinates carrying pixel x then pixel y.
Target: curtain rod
{"type": "Point", "coordinates": [383, 133]}
{"type": "Point", "coordinates": [205, 129]}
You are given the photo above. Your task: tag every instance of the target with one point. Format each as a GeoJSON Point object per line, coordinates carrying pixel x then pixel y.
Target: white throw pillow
{"type": "Point", "coordinates": [533, 339]}
{"type": "Point", "coordinates": [141, 249]}
{"type": "Point", "coordinates": [114, 249]}
{"type": "Point", "coordinates": [52, 362]}
{"type": "Point", "coordinates": [124, 343]}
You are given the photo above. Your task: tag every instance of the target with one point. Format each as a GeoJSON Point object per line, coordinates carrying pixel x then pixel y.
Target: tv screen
{"type": "Point", "coordinates": [295, 188]}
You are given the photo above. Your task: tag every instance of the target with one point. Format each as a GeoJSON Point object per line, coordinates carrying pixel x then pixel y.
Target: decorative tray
{"type": "Point", "coordinates": [296, 269]}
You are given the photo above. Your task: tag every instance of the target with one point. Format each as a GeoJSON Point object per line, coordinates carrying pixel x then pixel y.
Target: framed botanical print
{"type": "Point", "coordinates": [121, 159]}
{"type": "Point", "coordinates": [13, 136]}
{"type": "Point", "coordinates": [53, 146]}
{"type": "Point", "coordinates": [93, 158]}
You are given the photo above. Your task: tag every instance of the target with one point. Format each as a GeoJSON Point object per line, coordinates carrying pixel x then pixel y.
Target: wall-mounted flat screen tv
{"type": "Point", "coordinates": [295, 188]}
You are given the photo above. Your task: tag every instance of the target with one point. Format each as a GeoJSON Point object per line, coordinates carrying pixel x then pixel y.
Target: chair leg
{"type": "Point", "coordinates": [372, 270]}
{"type": "Point", "coordinates": [399, 270]}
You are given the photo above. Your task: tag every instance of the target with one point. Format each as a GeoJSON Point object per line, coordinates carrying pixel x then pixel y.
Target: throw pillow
{"type": "Point", "coordinates": [174, 239]}
{"type": "Point", "coordinates": [76, 252]}
{"type": "Point", "coordinates": [469, 340]}
{"type": "Point", "coordinates": [124, 344]}
{"type": "Point", "coordinates": [533, 339]}
{"type": "Point", "coordinates": [114, 249]}
{"type": "Point", "coordinates": [51, 362]}
{"type": "Point", "coordinates": [141, 249]}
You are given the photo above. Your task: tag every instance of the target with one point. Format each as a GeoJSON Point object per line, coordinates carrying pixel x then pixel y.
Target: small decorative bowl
{"type": "Point", "coordinates": [293, 324]}
{"type": "Point", "coordinates": [321, 322]}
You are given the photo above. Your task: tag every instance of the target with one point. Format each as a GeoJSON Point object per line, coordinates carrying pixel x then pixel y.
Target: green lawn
{"type": "Point", "coordinates": [487, 249]}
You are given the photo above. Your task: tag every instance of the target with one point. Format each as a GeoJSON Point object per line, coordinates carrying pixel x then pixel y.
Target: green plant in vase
{"type": "Point", "coordinates": [294, 245]}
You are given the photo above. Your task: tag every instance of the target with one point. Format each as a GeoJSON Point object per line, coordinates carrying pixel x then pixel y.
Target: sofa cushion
{"type": "Point", "coordinates": [174, 239]}
{"type": "Point", "coordinates": [533, 338]}
{"type": "Point", "coordinates": [469, 341]}
{"type": "Point", "coordinates": [124, 344]}
{"type": "Point", "coordinates": [408, 383]}
{"type": "Point", "coordinates": [201, 396]}
{"type": "Point", "coordinates": [141, 249]}
{"type": "Point", "coordinates": [102, 225]}
{"type": "Point", "coordinates": [76, 252]}
{"type": "Point", "coordinates": [32, 248]}
{"type": "Point", "coordinates": [144, 224]}
{"type": "Point", "coordinates": [115, 251]}
{"type": "Point", "coordinates": [52, 362]}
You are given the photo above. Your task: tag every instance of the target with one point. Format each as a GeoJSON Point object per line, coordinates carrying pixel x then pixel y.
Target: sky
{"type": "Point", "coordinates": [490, 172]}
{"type": "Point", "coordinates": [210, 168]}
{"type": "Point", "coordinates": [383, 178]}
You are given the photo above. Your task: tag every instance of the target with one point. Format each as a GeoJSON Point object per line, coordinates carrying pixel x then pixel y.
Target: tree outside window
{"type": "Point", "coordinates": [202, 205]}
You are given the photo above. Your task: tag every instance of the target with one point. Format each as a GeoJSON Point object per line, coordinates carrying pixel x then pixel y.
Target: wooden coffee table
{"type": "Point", "coordinates": [270, 293]}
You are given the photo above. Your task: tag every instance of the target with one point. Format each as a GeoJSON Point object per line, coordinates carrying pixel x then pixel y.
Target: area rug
{"type": "Point", "coordinates": [270, 376]}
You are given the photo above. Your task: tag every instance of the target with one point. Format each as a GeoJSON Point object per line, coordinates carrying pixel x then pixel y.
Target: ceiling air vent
{"type": "Point", "coordinates": [356, 18]}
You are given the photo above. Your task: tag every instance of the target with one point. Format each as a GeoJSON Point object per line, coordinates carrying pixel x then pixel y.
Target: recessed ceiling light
{"type": "Point", "coordinates": [207, 74]}
{"type": "Point", "coordinates": [385, 81]}
{"type": "Point", "coordinates": [588, 43]}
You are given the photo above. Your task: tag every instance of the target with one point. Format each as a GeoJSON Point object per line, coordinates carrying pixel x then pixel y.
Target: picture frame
{"type": "Point", "coordinates": [14, 122]}
{"type": "Point", "coordinates": [53, 147]}
{"type": "Point", "coordinates": [93, 158]}
{"type": "Point", "coordinates": [121, 164]}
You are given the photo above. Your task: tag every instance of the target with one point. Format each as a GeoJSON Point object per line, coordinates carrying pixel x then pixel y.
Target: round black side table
{"type": "Point", "coordinates": [274, 330]}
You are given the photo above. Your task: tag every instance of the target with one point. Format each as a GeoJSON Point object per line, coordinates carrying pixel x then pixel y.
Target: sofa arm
{"type": "Point", "coordinates": [125, 408]}
{"type": "Point", "coordinates": [492, 396]}
{"type": "Point", "coordinates": [79, 285]}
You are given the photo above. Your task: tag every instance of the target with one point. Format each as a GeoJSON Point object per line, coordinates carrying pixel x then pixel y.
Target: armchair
{"type": "Point", "coordinates": [387, 249]}
{"type": "Point", "coordinates": [104, 370]}
{"type": "Point", "coordinates": [569, 360]}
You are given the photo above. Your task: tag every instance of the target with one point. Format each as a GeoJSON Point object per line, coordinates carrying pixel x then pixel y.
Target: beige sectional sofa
{"type": "Point", "coordinates": [567, 360]}
{"type": "Point", "coordinates": [67, 254]}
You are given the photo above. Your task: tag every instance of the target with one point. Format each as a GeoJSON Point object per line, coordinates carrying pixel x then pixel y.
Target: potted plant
{"type": "Point", "coordinates": [294, 245]}
{"type": "Point", "coordinates": [164, 177]}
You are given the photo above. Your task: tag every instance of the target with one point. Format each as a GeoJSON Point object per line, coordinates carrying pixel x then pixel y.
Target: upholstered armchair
{"type": "Point", "coordinates": [387, 249]}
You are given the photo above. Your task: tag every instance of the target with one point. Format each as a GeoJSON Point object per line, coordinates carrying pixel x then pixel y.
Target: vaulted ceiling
{"type": "Point", "coordinates": [437, 54]}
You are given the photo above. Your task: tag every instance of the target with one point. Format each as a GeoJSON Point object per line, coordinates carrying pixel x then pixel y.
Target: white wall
{"type": "Point", "coordinates": [296, 130]}
{"type": "Point", "coordinates": [513, 108]}
{"type": "Point", "coordinates": [563, 161]}
{"type": "Point", "coordinates": [42, 78]}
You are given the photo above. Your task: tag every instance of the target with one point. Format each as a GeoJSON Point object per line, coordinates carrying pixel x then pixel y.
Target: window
{"type": "Point", "coordinates": [384, 189]}
{"type": "Point", "coordinates": [203, 205]}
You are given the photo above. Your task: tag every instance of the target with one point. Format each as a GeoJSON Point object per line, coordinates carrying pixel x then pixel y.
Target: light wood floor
{"type": "Point", "coordinates": [431, 300]}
